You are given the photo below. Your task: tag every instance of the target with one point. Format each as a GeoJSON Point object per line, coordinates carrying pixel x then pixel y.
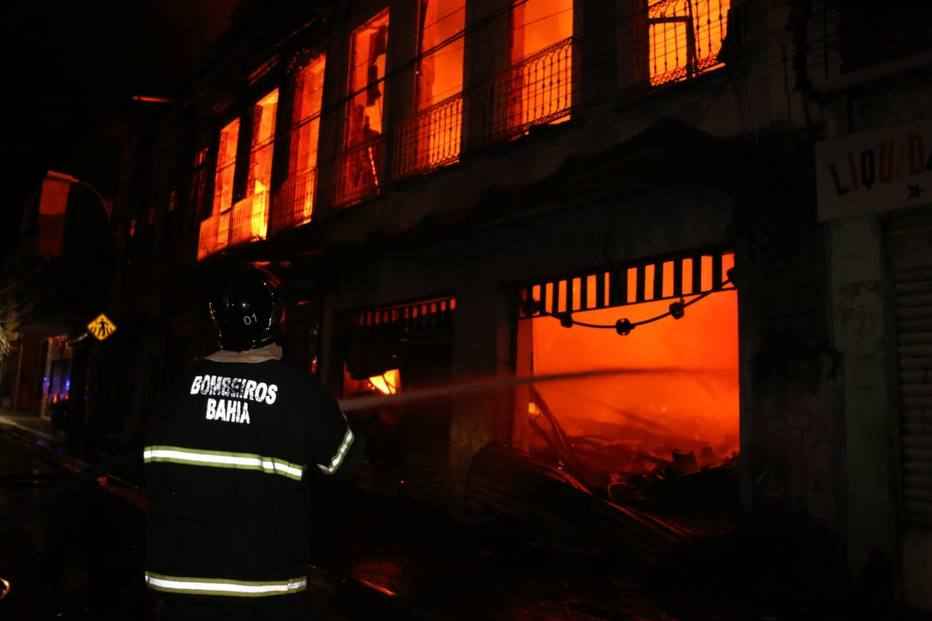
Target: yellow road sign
{"type": "Point", "coordinates": [101, 327]}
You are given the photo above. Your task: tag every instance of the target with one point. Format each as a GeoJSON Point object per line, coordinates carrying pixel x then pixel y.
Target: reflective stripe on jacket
{"type": "Point", "coordinates": [223, 586]}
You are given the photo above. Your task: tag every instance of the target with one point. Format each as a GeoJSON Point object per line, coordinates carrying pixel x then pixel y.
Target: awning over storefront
{"type": "Point", "coordinates": [631, 283]}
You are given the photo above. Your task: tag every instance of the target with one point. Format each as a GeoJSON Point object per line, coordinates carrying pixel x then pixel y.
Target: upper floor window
{"type": "Point", "coordinates": [251, 215]}
{"type": "Point", "coordinates": [432, 136]}
{"type": "Point", "coordinates": [197, 197]}
{"type": "Point", "coordinates": [685, 37]}
{"type": "Point", "coordinates": [539, 87]}
{"type": "Point", "coordinates": [309, 97]}
{"type": "Point", "coordinates": [214, 232]}
{"type": "Point", "coordinates": [537, 25]}
{"type": "Point", "coordinates": [262, 146]}
{"type": "Point", "coordinates": [226, 168]}
{"type": "Point", "coordinates": [361, 167]}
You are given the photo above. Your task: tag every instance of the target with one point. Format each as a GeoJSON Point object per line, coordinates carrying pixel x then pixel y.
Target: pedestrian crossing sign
{"type": "Point", "coordinates": [101, 327]}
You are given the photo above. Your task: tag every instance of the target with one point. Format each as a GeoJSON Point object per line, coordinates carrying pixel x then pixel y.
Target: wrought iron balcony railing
{"type": "Point", "coordinates": [684, 38]}
{"type": "Point", "coordinates": [250, 219]}
{"type": "Point", "coordinates": [296, 203]}
{"type": "Point", "coordinates": [247, 221]}
{"type": "Point", "coordinates": [360, 172]}
{"type": "Point", "coordinates": [537, 91]}
{"type": "Point", "coordinates": [430, 139]}
{"type": "Point", "coordinates": [207, 240]}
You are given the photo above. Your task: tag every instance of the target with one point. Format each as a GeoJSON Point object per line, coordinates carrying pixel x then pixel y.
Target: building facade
{"type": "Point", "coordinates": [680, 195]}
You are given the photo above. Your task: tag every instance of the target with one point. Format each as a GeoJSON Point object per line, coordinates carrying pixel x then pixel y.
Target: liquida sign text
{"type": "Point", "coordinates": [875, 171]}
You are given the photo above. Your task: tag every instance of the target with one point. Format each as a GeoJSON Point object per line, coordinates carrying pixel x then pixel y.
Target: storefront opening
{"type": "Point", "coordinates": [673, 414]}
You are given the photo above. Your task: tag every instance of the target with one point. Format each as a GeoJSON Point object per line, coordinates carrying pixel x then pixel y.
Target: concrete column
{"type": "Point", "coordinates": [400, 89]}
{"type": "Point", "coordinates": [487, 53]}
{"type": "Point", "coordinates": [632, 46]}
{"type": "Point", "coordinates": [595, 26]}
{"type": "Point", "coordinates": [332, 114]}
{"type": "Point", "coordinates": [860, 326]}
{"type": "Point", "coordinates": [482, 348]}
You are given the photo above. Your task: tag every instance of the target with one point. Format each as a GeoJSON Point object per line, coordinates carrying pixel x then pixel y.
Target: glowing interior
{"type": "Point", "coordinates": [543, 85]}
{"type": "Point", "coordinates": [362, 163]}
{"type": "Point", "coordinates": [308, 103]}
{"type": "Point", "coordinates": [368, 57]}
{"type": "Point", "coordinates": [685, 37]}
{"type": "Point", "coordinates": [251, 214]}
{"type": "Point", "coordinates": [263, 144]}
{"type": "Point", "coordinates": [440, 74]}
{"type": "Point", "coordinates": [440, 77]}
{"type": "Point", "coordinates": [538, 24]}
{"type": "Point", "coordinates": [633, 424]}
{"type": "Point", "coordinates": [226, 165]}
{"type": "Point", "coordinates": [389, 383]}
{"type": "Point", "coordinates": [214, 233]}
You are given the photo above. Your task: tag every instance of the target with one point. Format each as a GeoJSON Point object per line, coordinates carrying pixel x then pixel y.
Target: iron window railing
{"type": "Point", "coordinates": [536, 91]}
{"type": "Point", "coordinates": [684, 38]}
{"type": "Point", "coordinates": [360, 172]}
{"type": "Point", "coordinates": [298, 200]}
{"type": "Point", "coordinates": [430, 139]}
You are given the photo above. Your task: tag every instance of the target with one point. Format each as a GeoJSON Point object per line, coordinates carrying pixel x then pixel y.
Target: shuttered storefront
{"type": "Point", "coordinates": [909, 239]}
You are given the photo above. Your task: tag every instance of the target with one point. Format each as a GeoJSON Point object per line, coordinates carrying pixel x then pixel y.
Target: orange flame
{"type": "Point", "coordinates": [389, 383]}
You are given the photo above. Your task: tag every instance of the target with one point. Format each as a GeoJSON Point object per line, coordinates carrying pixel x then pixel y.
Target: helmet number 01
{"type": "Point", "coordinates": [250, 319]}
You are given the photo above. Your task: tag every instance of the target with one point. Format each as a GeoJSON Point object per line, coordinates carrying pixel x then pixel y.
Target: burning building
{"type": "Point", "coordinates": [468, 190]}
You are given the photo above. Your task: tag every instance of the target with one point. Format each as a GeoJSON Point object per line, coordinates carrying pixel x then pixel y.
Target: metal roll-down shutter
{"type": "Point", "coordinates": [909, 241]}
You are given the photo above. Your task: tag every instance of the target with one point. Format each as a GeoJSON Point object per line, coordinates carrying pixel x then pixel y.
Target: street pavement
{"type": "Point", "coordinates": [73, 548]}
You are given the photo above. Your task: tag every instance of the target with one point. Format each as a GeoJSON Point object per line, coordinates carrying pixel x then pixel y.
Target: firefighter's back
{"type": "Point", "coordinates": [225, 457]}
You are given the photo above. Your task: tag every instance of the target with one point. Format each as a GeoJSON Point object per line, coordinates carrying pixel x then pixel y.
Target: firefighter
{"type": "Point", "coordinates": [226, 456]}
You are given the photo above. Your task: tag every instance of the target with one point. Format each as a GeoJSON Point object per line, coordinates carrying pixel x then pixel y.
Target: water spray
{"type": "Point", "coordinates": [491, 384]}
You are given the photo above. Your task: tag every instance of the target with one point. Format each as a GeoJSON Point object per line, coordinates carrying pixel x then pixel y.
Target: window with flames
{"type": "Point", "coordinates": [305, 135]}
{"type": "Point", "coordinates": [685, 38]}
{"type": "Point", "coordinates": [361, 164]}
{"type": "Point", "coordinates": [432, 137]}
{"type": "Point", "coordinates": [538, 89]}
{"type": "Point", "coordinates": [251, 214]}
{"type": "Point", "coordinates": [215, 229]}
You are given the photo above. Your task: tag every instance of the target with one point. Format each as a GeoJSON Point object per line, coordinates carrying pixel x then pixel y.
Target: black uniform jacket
{"type": "Point", "coordinates": [225, 457]}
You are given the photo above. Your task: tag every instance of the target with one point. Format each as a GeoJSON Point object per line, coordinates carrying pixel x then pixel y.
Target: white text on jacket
{"type": "Point", "coordinates": [234, 387]}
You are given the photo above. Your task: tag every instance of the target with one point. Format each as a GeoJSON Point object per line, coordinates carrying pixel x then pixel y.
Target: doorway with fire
{"type": "Point", "coordinates": [639, 398]}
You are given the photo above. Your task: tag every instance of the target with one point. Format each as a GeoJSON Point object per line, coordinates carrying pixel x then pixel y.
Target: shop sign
{"type": "Point", "coordinates": [875, 171]}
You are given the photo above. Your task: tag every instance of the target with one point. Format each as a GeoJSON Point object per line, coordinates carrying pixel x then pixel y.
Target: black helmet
{"type": "Point", "coordinates": [246, 308]}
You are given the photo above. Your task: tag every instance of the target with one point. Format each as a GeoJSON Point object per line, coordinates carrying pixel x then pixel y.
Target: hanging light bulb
{"type": "Point", "coordinates": [678, 309]}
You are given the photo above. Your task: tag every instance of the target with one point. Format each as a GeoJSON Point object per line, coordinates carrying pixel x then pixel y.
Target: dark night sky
{"type": "Point", "coordinates": [68, 65]}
